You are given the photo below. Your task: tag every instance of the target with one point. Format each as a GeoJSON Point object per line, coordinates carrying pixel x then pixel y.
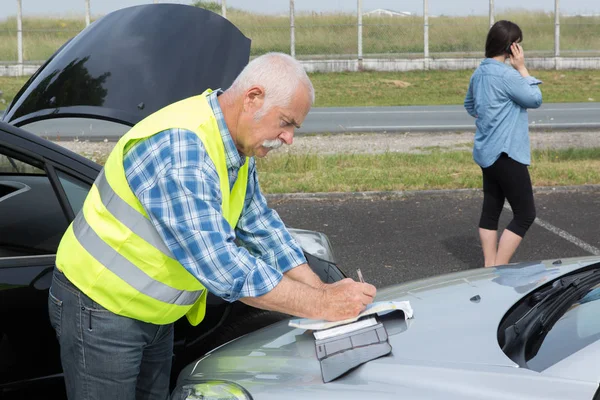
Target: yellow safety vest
{"type": "Point", "coordinates": [113, 253]}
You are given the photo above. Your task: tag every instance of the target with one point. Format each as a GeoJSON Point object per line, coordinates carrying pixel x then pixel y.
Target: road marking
{"type": "Point", "coordinates": [388, 112]}
{"type": "Point", "coordinates": [565, 235]}
{"type": "Point", "coordinates": [546, 125]}
{"type": "Point", "coordinates": [535, 111]}
{"type": "Point", "coordinates": [413, 126]}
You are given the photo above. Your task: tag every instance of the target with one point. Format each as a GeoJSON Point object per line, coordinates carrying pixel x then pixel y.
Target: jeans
{"type": "Point", "coordinates": [105, 355]}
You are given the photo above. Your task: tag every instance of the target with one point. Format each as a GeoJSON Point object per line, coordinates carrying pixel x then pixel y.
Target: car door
{"type": "Point", "coordinates": [39, 196]}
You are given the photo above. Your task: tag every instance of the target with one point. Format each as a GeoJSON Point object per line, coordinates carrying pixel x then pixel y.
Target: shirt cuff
{"type": "Point", "coordinates": [259, 281]}
{"type": "Point", "coordinates": [533, 81]}
{"type": "Point", "coordinates": [291, 257]}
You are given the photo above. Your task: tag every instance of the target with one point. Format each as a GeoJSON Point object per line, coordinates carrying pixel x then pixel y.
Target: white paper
{"type": "Point", "coordinates": [379, 308]}
{"type": "Point", "coordinates": [340, 330]}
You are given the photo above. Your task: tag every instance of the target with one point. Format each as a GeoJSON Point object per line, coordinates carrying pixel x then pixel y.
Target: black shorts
{"type": "Point", "coordinates": [507, 179]}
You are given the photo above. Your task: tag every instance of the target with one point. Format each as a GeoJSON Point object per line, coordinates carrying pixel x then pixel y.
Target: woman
{"type": "Point", "coordinates": [498, 97]}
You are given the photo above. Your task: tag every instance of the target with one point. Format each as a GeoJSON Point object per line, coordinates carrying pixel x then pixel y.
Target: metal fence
{"type": "Point", "coordinates": [362, 32]}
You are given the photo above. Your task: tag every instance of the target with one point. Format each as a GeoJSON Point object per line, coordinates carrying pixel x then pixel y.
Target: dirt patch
{"type": "Point", "coordinates": [397, 83]}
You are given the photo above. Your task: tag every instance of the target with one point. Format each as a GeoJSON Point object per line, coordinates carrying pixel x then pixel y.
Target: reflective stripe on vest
{"type": "Point", "coordinates": [118, 264]}
{"type": "Point", "coordinates": [127, 215]}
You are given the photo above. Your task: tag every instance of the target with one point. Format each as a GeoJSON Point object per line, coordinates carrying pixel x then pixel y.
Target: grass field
{"type": "Point", "coordinates": [336, 34]}
{"type": "Point", "coordinates": [399, 171]}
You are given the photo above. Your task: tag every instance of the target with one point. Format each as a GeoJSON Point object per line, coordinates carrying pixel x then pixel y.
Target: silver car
{"type": "Point", "coordinates": [521, 331]}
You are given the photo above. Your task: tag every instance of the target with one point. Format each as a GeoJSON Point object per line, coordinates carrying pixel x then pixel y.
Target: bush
{"type": "Point", "coordinates": [208, 5]}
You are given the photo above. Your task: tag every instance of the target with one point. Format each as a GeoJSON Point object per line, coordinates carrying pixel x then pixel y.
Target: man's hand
{"type": "Point", "coordinates": [346, 299]}
{"type": "Point", "coordinates": [517, 59]}
{"type": "Point", "coordinates": [333, 302]}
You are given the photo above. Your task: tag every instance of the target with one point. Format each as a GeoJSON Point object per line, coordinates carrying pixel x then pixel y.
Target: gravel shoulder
{"type": "Point", "coordinates": [383, 142]}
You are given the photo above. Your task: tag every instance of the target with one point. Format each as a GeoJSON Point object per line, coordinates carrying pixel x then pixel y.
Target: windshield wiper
{"type": "Point", "coordinates": [525, 336]}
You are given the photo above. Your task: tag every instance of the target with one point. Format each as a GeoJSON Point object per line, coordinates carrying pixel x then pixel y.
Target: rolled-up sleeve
{"type": "Point", "coordinates": [263, 233]}
{"type": "Point", "coordinates": [470, 101]}
{"type": "Point", "coordinates": [183, 200]}
{"type": "Point", "coordinates": [523, 91]}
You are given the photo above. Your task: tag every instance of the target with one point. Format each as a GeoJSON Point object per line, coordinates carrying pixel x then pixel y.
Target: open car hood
{"type": "Point", "coordinates": [132, 62]}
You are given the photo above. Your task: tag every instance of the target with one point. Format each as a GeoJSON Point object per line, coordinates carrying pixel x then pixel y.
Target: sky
{"type": "Point", "coordinates": [436, 7]}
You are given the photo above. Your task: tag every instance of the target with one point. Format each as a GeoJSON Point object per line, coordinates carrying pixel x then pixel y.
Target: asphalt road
{"type": "Point", "coordinates": [552, 116]}
{"type": "Point", "coordinates": [441, 118]}
{"type": "Point", "coordinates": [394, 238]}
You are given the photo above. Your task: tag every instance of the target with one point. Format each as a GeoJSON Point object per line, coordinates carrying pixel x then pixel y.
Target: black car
{"type": "Point", "coordinates": [120, 69]}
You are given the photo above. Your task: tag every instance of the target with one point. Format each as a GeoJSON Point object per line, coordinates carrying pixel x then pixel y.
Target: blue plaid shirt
{"type": "Point", "coordinates": [177, 183]}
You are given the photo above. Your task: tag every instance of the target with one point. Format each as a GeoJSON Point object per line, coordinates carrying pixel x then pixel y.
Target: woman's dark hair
{"type": "Point", "coordinates": [501, 35]}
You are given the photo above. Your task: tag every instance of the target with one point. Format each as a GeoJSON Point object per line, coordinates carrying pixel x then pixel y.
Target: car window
{"type": "Point", "coordinates": [75, 189]}
{"type": "Point", "coordinates": [577, 328]}
{"type": "Point", "coordinates": [31, 219]}
{"type": "Point", "coordinates": [10, 165]}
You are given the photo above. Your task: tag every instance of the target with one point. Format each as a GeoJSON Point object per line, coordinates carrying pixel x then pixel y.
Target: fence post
{"type": "Point", "coordinates": [556, 32]}
{"type": "Point", "coordinates": [87, 12]}
{"type": "Point", "coordinates": [224, 8]}
{"type": "Point", "coordinates": [360, 33]}
{"type": "Point", "coordinates": [20, 38]}
{"type": "Point", "coordinates": [426, 33]}
{"type": "Point", "coordinates": [292, 31]}
{"type": "Point", "coordinates": [492, 13]}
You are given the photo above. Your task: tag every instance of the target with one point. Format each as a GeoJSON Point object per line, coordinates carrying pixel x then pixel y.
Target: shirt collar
{"type": "Point", "coordinates": [492, 61]}
{"type": "Point", "coordinates": [233, 158]}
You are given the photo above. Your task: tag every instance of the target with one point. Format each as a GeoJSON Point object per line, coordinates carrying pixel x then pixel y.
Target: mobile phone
{"type": "Point", "coordinates": [508, 49]}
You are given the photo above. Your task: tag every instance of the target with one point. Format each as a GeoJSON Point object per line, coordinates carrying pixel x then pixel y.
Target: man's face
{"type": "Point", "coordinates": [257, 136]}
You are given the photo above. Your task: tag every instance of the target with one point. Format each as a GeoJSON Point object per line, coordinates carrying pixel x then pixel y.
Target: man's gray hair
{"type": "Point", "coordinates": [279, 74]}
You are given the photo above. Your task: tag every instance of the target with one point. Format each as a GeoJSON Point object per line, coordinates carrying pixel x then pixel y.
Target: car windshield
{"type": "Point", "coordinates": [576, 328]}
{"type": "Point", "coordinates": [554, 322]}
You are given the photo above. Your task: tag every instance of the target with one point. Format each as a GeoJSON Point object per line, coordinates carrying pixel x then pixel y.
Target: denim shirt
{"type": "Point", "coordinates": [498, 98]}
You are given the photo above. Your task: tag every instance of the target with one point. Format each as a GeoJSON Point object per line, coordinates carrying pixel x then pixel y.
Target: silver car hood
{"type": "Point", "coordinates": [448, 350]}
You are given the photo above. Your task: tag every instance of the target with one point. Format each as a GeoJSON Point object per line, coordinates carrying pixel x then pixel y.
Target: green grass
{"type": "Point", "coordinates": [9, 87]}
{"type": "Point", "coordinates": [435, 169]}
{"type": "Point", "coordinates": [41, 36]}
{"type": "Point", "coordinates": [402, 171]}
{"type": "Point", "coordinates": [335, 34]}
{"type": "Point", "coordinates": [411, 88]}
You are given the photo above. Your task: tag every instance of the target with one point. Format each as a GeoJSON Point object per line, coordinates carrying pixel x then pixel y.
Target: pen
{"type": "Point", "coordinates": [360, 277]}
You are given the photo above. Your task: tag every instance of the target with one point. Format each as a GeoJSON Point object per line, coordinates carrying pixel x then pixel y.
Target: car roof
{"type": "Point", "coordinates": [132, 62]}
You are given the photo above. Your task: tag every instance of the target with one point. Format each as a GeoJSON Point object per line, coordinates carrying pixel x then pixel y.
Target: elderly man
{"type": "Point", "coordinates": [158, 227]}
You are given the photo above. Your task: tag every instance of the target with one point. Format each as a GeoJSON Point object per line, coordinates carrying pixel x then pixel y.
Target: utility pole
{"type": "Point", "coordinates": [360, 33]}
{"type": "Point", "coordinates": [224, 8]}
{"type": "Point", "coordinates": [426, 30]}
{"type": "Point", "coordinates": [292, 30]}
{"type": "Point", "coordinates": [556, 28]}
{"type": "Point", "coordinates": [87, 13]}
{"type": "Point", "coordinates": [20, 37]}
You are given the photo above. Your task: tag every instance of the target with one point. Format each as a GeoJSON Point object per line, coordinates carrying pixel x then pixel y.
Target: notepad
{"type": "Point", "coordinates": [379, 308]}
{"type": "Point", "coordinates": [342, 329]}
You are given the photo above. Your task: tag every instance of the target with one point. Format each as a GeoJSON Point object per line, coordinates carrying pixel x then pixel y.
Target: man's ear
{"type": "Point", "coordinates": [254, 98]}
